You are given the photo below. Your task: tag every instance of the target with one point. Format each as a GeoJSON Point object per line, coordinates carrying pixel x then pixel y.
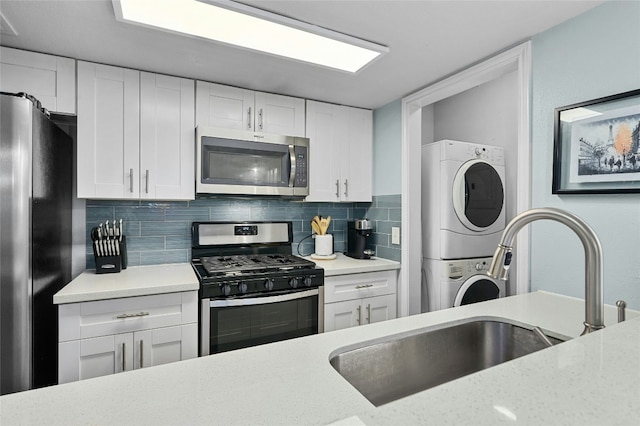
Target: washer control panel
{"type": "Point", "coordinates": [464, 151]}
{"type": "Point", "coordinates": [457, 269]}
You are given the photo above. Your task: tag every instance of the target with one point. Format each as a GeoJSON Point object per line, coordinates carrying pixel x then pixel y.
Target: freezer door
{"type": "Point", "coordinates": [15, 237]}
{"type": "Point", "coordinates": [36, 166]}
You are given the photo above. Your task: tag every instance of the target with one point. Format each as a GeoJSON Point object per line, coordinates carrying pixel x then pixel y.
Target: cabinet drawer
{"type": "Point", "coordinates": [113, 316]}
{"type": "Point", "coordinates": [357, 286]}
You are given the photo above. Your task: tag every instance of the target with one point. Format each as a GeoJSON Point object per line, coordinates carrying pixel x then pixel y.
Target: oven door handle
{"type": "Point", "coordinates": [262, 300]}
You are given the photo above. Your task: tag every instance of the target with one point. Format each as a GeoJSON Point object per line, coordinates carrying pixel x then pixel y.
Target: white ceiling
{"type": "Point", "coordinates": [428, 40]}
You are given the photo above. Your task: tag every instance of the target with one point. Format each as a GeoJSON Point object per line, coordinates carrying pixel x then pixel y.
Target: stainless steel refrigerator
{"type": "Point", "coordinates": [36, 172]}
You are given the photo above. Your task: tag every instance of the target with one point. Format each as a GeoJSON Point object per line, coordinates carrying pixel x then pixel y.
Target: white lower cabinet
{"type": "Point", "coordinates": [352, 313]}
{"type": "Point", "coordinates": [358, 299]}
{"type": "Point", "coordinates": [110, 336]}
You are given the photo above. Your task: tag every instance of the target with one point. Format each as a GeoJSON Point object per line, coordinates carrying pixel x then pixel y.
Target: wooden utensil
{"type": "Point", "coordinates": [315, 227]}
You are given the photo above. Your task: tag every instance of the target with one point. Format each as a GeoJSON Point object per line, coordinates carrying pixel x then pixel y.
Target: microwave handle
{"type": "Point", "coordinates": [292, 163]}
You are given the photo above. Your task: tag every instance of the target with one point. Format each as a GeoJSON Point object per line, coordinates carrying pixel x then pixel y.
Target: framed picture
{"type": "Point", "coordinates": [597, 146]}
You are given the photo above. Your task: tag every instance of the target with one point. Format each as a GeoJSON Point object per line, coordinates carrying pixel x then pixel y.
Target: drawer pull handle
{"type": "Point", "coordinates": [141, 356]}
{"type": "Point", "coordinates": [124, 362]}
{"type": "Point", "coordinates": [364, 286]}
{"type": "Point", "coordinates": [139, 314]}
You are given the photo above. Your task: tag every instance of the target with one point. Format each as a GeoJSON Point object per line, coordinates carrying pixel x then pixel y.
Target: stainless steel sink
{"type": "Point", "coordinates": [402, 365]}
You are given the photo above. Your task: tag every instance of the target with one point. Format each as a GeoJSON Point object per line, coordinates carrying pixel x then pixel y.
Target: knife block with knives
{"type": "Point", "coordinates": [109, 247]}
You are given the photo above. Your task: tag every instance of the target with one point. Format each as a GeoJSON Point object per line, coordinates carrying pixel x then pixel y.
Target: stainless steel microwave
{"type": "Point", "coordinates": [251, 163]}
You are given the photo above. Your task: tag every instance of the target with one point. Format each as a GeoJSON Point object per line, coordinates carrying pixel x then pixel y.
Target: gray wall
{"type": "Point", "coordinates": [594, 55]}
{"type": "Point", "coordinates": [486, 114]}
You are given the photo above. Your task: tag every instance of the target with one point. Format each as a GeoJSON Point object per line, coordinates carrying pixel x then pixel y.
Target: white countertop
{"type": "Point", "coordinates": [593, 379]}
{"type": "Point", "coordinates": [133, 281]}
{"type": "Point", "coordinates": [343, 265]}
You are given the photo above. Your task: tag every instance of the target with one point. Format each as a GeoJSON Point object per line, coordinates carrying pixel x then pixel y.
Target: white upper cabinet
{"type": "Point", "coordinates": [51, 79]}
{"type": "Point", "coordinates": [108, 132]}
{"type": "Point", "coordinates": [242, 109]}
{"type": "Point", "coordinates": [357, 164]}
{"type": "Point", "coordinates": [135, 134]}
{"type": "Point", "coordinates": [340, 153]}
{"type": "Point", "coordinates": [167, 137]}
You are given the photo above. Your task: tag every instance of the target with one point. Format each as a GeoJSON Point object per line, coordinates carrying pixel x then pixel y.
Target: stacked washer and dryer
{"type": "Point", "coordinates": [463, 216]}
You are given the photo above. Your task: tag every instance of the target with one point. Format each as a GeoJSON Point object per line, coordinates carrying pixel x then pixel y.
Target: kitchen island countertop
{"type": "Point", "coordinates": [592, 379]}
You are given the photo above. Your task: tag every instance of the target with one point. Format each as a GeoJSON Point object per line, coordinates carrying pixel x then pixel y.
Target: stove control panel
{"type": "Point", "coordinates": [222, 287]}
{"type": "Point", "coordinates": [245, 230]}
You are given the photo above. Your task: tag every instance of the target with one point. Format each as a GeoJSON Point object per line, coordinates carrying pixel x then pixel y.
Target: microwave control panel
{"type": "Point", "coordinates": [300, 180]}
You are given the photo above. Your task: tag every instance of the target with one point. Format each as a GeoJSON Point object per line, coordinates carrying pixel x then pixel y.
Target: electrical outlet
{"type": "Point", "coordinates": [395, 235]}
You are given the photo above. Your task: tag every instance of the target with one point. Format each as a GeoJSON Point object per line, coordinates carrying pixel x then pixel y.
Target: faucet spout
{"type": "Point", "coordinates": [594, 307]}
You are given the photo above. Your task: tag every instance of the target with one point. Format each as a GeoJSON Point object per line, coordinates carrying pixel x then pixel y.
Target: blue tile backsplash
{"type": "Point", "coordinates": [160, 231]}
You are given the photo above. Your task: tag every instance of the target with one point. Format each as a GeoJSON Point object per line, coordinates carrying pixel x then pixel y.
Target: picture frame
{"type": "Point", "coordinates": [597, 146]}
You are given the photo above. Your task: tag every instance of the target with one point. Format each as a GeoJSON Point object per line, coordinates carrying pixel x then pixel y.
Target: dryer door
{"type": "Point", "coordinates": [478, 288]}
{"type": "Point", "coordinates": [478, 195]}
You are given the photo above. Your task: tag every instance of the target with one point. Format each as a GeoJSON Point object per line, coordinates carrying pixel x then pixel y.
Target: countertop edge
{"type": "Point", "coordinates": [131, 282]}
{"type": "Point", "coordinates": [344, 265]}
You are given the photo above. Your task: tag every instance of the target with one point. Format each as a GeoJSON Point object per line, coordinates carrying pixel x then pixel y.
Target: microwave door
{"type": "Point", "coordinates": [245, 167]}
{"type": "Point", "coordinates": [235, 162]}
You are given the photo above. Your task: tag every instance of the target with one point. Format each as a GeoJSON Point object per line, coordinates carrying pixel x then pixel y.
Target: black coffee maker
{"type": "Point", "coordinates": [358, 239]}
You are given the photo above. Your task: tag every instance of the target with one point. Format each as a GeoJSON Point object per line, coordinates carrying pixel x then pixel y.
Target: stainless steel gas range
{"type": "Point", "coordinates": [252, 289]}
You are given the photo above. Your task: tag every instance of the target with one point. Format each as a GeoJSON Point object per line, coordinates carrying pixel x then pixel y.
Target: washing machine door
{"type": "Point", "coordinates": [478, 288]}
{"type": "Point", "coordinates": [478, 195]}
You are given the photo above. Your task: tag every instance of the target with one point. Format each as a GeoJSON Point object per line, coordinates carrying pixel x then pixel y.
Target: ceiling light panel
{"type": "Point", "coordinates": [240, 25]}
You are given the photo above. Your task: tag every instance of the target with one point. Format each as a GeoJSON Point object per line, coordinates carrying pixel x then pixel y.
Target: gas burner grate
{"type": "Point", "coordinates": [246, 264]}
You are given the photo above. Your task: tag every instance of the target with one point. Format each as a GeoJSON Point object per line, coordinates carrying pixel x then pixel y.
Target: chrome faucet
{"type": "Point", "coordinates": [594, 307]}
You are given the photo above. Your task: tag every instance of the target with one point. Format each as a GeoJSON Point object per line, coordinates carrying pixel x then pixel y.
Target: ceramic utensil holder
{"type": "Point", "coordinates": [324, 245]}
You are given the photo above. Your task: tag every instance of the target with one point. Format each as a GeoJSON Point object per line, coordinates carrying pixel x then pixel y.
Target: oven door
{"type": "Point", "coordinates": [228, 324]}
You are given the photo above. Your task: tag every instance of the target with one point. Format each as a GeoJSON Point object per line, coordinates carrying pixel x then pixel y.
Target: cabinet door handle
{"type": "Point", "coordinates": [260, 119]}
{"type": "Point", "coordinates": [146, 188]}
{"type": "Point", "coordinates": [359, 314]}
{"type": "Point", "coordinates": [131, 180]}
{"type": "Point", "coordinates": [141, 357]}
{"type": "Point", "coordinates": [346, 187]}
{"type": "Point", "coordinates": [337, 188]}
{"type": "Point", "coordinates": [369, 313]}
{"type": "Point", "coordinates": [124, 358]}
{"type": "Point", "coordinates": [138, 314]}
{"type": "Point", "coordinates": [249, 118]}
{"type": "Point", "coordinates": [364, 286]}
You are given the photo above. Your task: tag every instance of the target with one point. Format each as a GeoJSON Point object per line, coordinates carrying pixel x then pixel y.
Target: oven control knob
{"type": "Point", "coordinates": [268, 284]}
{"type": "Point", "coordinates": [225, 289]}
{"type": "Point", "coordinates": [307, 281]}
{"type": "Point", "coordinates": [242, 287]}
{"type": "Point", "coordinates": [293, 283]}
